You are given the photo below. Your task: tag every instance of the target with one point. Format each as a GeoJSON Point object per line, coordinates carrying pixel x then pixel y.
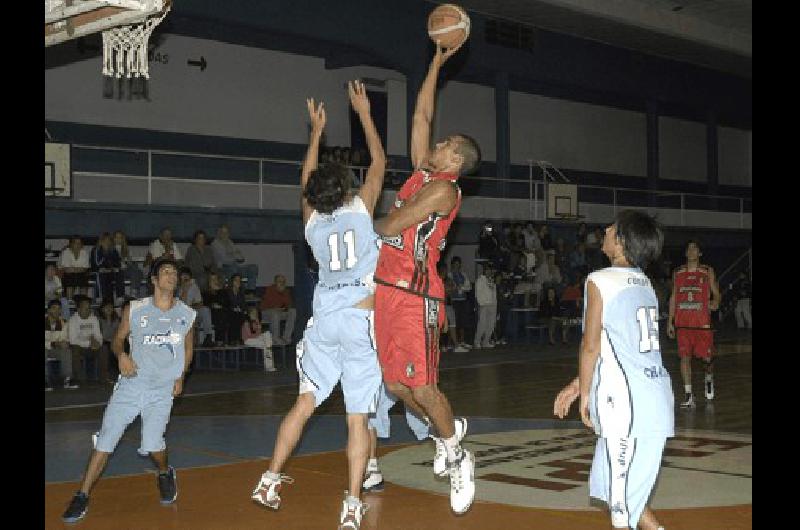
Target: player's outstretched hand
{"type": "Point", "coordinates": [442, 54]}
{"type": "Point", "coordinates": [585, 418]}
{"type": "Point", "coordinates": [670, 330]}
{"type": "Point", "coordinates": [317, 115]}
{"type": "Point", "coordinates": [565, 398]}
{"type": "Point", "coordinates": [358, 96]}
{"type": "Point", "coordinates": [127, 367]}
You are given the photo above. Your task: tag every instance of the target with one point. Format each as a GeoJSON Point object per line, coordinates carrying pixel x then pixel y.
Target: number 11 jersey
{"type": "Point", "coordinates": [345, 246]}
{"type": "Point", "coordinates": [631, 393]}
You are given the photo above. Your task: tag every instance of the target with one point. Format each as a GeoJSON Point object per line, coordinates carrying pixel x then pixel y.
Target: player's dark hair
{"type": "Point", "coordinates": [327, 187]}
{"type": "Point", "coordinates": [468, 148]}
{"type": "Point", "coordinates": [696, 242]}
{"type": "Point", "coordinates": [161, 262]}
{"type": "Point", "coordinates": [197, 233]}
{"type": "Point", "coordinates": [641, 237]}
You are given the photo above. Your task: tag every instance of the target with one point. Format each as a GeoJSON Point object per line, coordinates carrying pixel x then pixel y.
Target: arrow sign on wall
{"type": "Point", "coordinates": [201, 63]}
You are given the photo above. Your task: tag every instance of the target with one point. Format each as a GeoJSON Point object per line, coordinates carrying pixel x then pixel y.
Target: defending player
{"type": "Point", "coordinates": [161, 340]}
{"type": "Point", "coordinates": [337, 343]}
{"type": "Point", "coordinates": [409, 299]}
{"type": "Point", "coordinates": [695, 294]}
{"type": "Point", "coordinates": [625, 392]}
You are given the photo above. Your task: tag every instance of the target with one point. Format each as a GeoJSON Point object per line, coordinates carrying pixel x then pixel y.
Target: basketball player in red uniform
{"type": "Point", "coordinates": [695, 294]}
{"type": "Point", "coordinates": [409, 296]}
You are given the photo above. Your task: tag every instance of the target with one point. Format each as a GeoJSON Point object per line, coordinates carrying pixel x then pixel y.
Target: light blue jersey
{"type": "Point", "coordinates": [158, 339]}
{"type": "Point", "coordinates": [631, 394]}
{"type": "Point", "coordinates": [346, 248]}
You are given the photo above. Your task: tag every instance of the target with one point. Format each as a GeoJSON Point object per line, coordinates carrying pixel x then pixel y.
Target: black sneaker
{"type": "Point", "coordinates": [168, 486]}
{"type": "Point", "coordinates": [77, 508]}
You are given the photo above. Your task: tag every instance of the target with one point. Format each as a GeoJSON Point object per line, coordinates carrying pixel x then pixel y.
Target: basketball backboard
{"type": "Point", "coordinates": [69, 19]}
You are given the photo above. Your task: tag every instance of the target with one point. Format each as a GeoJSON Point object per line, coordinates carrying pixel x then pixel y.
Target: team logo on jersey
{"type": "Point", "coordinates": [393, 241]}
{"type": "Point", "coordinates": [410, 370]}
{"type": "Point", "coordinates": [143, 321]}
{"type": "Point", "coordinates": [167, 340]}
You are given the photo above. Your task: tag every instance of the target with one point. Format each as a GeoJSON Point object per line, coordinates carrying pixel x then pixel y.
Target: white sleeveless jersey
{"type": "Point", "coordinates": [345, 246]}
{"type": "Point", "coordinates": [631, 394]}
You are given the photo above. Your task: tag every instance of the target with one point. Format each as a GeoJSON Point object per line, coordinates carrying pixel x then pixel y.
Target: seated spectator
{"type": "Point", "coordinates": [106, 266]}
{"type": "Point", "coordinates": [216, 298]}
{"type": "Point", "coordinates": [516, 245]}
{"type": "Point", "coordinates": [461, 306]}
{"type": "Point", "coordinates": [486, 298]}
{"type": "Point", "coordinates": [743, 291]}
{"type": "Point", "coordinates": [505, 295]}
{"type": "Point", "coordinates": [531, 237]}
{"type": "Point", "coordinates": [74, 265]}
{"type": "Point", "coordinates": [200, 259]}
{"type": "Point", "coordinates": [547, 273]}
{"type": "Point", "coordinates": [544, 238]}
{"type": "Point", "coordinates": [86, 340]}
{"type": "Point", "coordinates": [254, 336]}
{"type": "Point", "coordinates": [581, 234]}
{"type": "Point", "coordinates": [277, 306]}
{"type": "Point", "coordinates": [56, 345]}
{"type": "Point", "coordinates": [53, 289]}
{"type": "Point", "coordinates": [562, 254]}
{"type": "Point", "coordinates": [238, 307]}
{"type": "Point", "coordinates": [189, 293]}
{"type": "Point", "coordinates": [163, 246]}
{"type": "Point", "coordinates": [524, 282]}
{"type": "Point", "coordinates": [577, 260]}
{"type": "Point", "coordinates": [572, 298]}
{"type": "Point", "coordinates": [230, 259]}
{"type": "Point", "coordinates": [109, 322]}
{"type": "Point", "coordinates": [550, 312]}
{"type": "Point", "coordinates": [130, 268]}
{"type": "Point", "coordinates": [594, 255]}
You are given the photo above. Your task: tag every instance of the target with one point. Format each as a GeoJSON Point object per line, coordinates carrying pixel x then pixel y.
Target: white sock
{"type": "Point", "coordinates": [372, 464]}
{"type": "Point", "coordinates": [353, 502]}
{"type": "Point", "coordinates": [688, 388]}
{"type": "Point", "coordinates": [453, 448]}
{"type": "Point", "coordinates": [273, 476]}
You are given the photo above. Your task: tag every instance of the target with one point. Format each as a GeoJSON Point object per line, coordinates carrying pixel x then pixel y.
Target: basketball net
{"type": "Point", "coordinates": [125, 48]}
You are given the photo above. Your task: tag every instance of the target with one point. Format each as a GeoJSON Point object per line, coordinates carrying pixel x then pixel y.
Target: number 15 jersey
{"type": "Point", "coordinates": [345, 246]}
{"type": "Point", "coordinates": [631, 393]}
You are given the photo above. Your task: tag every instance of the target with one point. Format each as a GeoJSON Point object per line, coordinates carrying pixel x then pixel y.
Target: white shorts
{"type": "Point", "coordinates": [451, 316]}
{"type": "Point", "coordinates": [340, 346]}
{"type": "Point", "coordinates": [624, 471]}
{"type": "Point", "coordinates": [381, 423]}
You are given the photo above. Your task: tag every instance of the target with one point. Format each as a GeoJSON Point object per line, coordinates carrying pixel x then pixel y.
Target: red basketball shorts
{"type": "Point", "coordinates": [407, 334]}
{"type": "Point", "coordinates": [697, 342]}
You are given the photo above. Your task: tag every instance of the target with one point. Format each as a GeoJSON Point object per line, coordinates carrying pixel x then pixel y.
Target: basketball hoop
{"type": "Point", "coordinates": [125, 47]}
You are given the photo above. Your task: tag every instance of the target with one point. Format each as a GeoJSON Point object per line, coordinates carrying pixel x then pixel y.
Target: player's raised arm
{"type": "Point", "coordinates": [590, 346]}
{"type": "Point", "coordinates": [423, 112]}
{"type": "Point", "coordinates": [437, 197]}
{"type": "Point", "coordinates": [317, 115]}
{"type": "Point", "coordinates": [373, 183]}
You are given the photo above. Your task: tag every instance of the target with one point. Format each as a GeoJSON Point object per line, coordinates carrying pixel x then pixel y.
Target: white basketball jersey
{"type": "Point", "coordinates": [631, 393]}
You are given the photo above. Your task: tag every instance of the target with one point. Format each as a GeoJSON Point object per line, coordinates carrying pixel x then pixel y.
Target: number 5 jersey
{"type": "Point", "coordinates": [631, 392]}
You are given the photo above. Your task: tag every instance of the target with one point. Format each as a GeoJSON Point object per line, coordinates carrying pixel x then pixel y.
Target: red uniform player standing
{"type": "Point", "coordinates": [695, 294]}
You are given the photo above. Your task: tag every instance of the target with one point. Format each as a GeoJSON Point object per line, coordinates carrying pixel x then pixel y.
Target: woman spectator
{"type": "Point", "coordinates": [253, 336]}
{"type": "Point", "coordinates": [109, 322]}
{"type": "Point", "coordinates": [105, 263]}
{"type": "Point", "coordinates": [200, 259]}
{"type": "Point", "coordinates": [238, 309]}
{"type": "Point", "coordinates": [218, 300]}
{"type": "Point", "coordinates": [74, 264]}
{"type": "Point", "coordinates": [130, 269]}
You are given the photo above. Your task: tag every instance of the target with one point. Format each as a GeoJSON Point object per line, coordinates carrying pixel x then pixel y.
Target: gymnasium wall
{"type": "Point", "coordinates": [682, 150]}
{"type": "Point", "coordinates": [735, 151]}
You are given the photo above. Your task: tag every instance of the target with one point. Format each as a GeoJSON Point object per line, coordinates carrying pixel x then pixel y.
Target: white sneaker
{"type": "Point", "coordinates": [440, 458]}
{"type": "Point", "coordinates": [709, 386]}
{"type": "Point", "coordinates": [465, 345]}
{"type": "Point", "coordinates": [267, 490]}
{"type": "Point", "coordinates": [488, 344]}
{"type": "Point", "coordinates": [68, 384]}
{"type": "Point", "coordinates": [350, 518]}
{"type": "Point", "coordinates": [476, 347]}
{"type": "Point", "coordinates": [689, 403]}
{"type": "Point", "coordinates": [373, 480]}
{"type": "Point", "coordinates": [460, 349]}
{"type": "Point", "coordinates": [462, 483]}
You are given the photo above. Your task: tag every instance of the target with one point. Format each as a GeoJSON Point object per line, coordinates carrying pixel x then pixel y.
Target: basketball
{"type": "Point", "coordinates": [449, 24]}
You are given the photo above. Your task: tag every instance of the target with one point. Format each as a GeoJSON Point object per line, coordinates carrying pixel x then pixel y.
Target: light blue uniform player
{"type": "Point", "coordinates": [625, 391]}
{"type": "Point", "coordinates": [338, 343]}
{"type": "Point", "coordinates": [159, 329]}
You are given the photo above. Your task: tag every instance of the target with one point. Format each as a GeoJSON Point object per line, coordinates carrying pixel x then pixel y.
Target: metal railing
{"type": "Point", "coordinates": [156, 165]}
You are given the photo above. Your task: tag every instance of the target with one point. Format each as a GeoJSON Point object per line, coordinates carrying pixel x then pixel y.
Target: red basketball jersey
{"type": "Point", "coordinates": [692, 295]}
{"type": "Point", "coordinates": [408, 261]}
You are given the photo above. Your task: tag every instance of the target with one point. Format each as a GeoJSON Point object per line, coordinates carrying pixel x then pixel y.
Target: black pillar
{"type": "Point", "coordinates": [503, 127]}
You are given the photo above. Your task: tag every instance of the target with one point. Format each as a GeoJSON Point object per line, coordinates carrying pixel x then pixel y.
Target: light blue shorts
{"type": "Point", "coordinates": [133, 397]}
{"type": "Point", "coordinates": [341, 346]}
{"type": "Point", "coordinates": [624, 471]}
{"type": "Point", "coordinates": [381, 423]}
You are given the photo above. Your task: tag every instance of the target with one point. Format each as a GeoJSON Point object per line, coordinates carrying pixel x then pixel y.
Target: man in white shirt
{"type": "Point", "coordinates": [486, 297]}
{"type": "Point", "coordinates": [74, 263]}
{"type": "Point", "coordinates": [164, 245]}
{"type": "Point", "coordinates": [230, 258]}
{"type": "Point", "coordinates": [86, 339]}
